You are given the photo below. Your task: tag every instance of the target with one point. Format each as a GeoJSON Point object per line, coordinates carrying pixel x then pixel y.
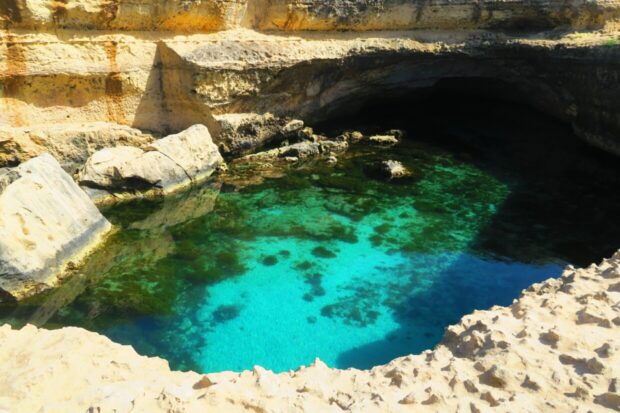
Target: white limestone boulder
{"type": "Point", "coordinates": [46, 222]}
{"type": "Point", "coordinates": [164, 166]}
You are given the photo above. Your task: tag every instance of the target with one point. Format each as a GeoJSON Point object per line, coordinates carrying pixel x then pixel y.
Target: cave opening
{"type": "Point", "coordinates": [565, 182]}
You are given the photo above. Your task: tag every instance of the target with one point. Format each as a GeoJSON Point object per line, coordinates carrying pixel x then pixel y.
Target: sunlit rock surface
{"type": "Point", "coordinates": [179, 15]}
{"type": "Point", "coordinates": [166, 165]}
{"type": "Point", "coordinates": [70, 144]}
{"type": "Point", "coordinates": [553, 349]}
{"type": "Point", "coordinates": [47, 223]}
{"type": "Point", "coordinates": [163, 66]}
{"type": "Point", "coordinates": [178, 81]}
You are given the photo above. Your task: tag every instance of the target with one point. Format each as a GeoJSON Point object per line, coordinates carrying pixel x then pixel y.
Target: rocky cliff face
{"type": "Point", "coordinates": [151, 66]}
{"type": "Point", "coordinates": [210, 15]}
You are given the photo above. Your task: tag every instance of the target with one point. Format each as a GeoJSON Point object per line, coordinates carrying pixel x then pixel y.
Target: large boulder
{"type": "Point", "coordinates": [162, 167]}
{"type": "Point", "coordinates": [46, 223]}
{"type": "Point", "coordinates": [193, 150]}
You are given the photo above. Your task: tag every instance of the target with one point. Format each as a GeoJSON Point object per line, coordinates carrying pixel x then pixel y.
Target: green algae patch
{"type": "Point", "coordinates": [270, 260]}
{"type": "Point", "coordinates": [322, 252]}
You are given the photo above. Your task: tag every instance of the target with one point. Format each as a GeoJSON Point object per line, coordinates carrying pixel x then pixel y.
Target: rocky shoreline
{"type": "Point", "coordinates": [555, 349]}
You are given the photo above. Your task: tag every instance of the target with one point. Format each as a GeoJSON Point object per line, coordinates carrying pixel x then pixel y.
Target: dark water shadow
{"type": "Point", "coordinates": [569, 188]}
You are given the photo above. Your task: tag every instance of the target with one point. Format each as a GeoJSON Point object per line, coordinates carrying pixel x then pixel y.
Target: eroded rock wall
{"type": "Point", "coordinates": [165, 84]}
{"type": "Point", "coordinates": [292, 15]}
{"type": "Point", "coordinates": [149, 64]}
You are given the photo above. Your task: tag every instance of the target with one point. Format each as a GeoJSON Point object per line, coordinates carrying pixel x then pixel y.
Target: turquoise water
{"type": "Point", "coordinates": [325, 262]}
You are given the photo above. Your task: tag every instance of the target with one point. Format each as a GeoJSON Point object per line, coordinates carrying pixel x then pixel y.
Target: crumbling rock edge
{"type": "Point", "coordinates": [554, 349]}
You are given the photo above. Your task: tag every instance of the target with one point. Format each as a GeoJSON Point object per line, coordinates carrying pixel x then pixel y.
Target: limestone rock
{"type": "Point", "coordinates": [46, 222]}
{"type": "Point", "coordinates": [180, 81]}
{"type": "Point", "coordinates": [105, 168]}
{"type": "Point", "coordinates": [241, 133]}
{"type": "Point", "coordinates": [383, 139]}
{"type": "Point", "coordinates": [301, 150]}
{"type": "Point", "coordinates": [288, 15]}
{"type": "Point", "coordinates": [192, 150]}
{"type": "Point", "coordinates": [163, 167]}
{"type": "Point", "coordinates": [70, 144]}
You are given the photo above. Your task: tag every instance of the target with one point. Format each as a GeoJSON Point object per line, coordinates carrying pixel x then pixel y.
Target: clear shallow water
{"type": "Point", "coordinates": [325, 262]}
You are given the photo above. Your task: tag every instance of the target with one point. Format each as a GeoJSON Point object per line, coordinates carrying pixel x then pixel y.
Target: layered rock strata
{"type": "Point", "coordinates": [287, 15]}
{"type": "Point", "coordinates": [47, 223]}
{"type": "Point", "coordinates": [555, 349]}
{"type": "Point", "coordinates": [179, 81]}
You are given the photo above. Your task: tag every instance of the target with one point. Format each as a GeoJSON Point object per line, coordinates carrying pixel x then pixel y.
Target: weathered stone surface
{"type": "Point", "coordinates": [192, 150]}
{"type": "Point", "coordinates": [70, 144]}
{"type": "Point", "coordinates": [308, 77]}
{"type": "Point", "coordinates": [510, 371]}
{"type": "Point", "coordinates": [319, 146]}
{"type": "Point", "coordinates": [163, 167]}
{"type": "Point", "coordinates": [183, 16]}
{"type": "Point", "coordinates": [105, 168]}
{"type": "Point", "coordinates": [180, 81]}
{"type": "Point", "coordinates": [241, 133]}
{"type": "Point", "coordinates": [46, 222]}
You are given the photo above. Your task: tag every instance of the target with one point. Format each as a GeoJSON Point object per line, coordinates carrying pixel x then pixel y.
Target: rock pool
{"type": "Point", "coordinates": [325, 262]}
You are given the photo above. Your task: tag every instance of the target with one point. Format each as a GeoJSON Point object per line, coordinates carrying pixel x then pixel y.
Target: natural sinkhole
{"type": "Point", "coordinates": [324, 261]}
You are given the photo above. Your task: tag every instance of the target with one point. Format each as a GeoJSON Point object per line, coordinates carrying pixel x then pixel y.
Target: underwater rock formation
{"type": "Point", "coordinates": [554, 349]}
{"type": "Point", "coordinates": [47, 223]}
{"type": "Point", "coordinates": [164, 166]}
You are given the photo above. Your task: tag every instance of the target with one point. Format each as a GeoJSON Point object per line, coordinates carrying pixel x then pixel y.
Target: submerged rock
{"type": "Point", "coordinates": [164, 166]}
{"type": "Point", "coordinates": [46, 223]}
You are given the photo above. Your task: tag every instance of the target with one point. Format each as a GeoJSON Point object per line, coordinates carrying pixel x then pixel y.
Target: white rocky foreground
{"type": "Point", "coordinates": [555, 349]}
{"type": "Point", "coordinates": [46, 222]}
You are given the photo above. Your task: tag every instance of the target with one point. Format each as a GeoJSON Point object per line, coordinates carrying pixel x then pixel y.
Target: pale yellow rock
{"type": "Point", "coordinates": [204, 15]}
{"type": "Point", "coordinates": [70, 144]}
{"type": "Point", "coordinates": [167, 82]}
{"type": "Point", "coordinates": [164, 166]}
